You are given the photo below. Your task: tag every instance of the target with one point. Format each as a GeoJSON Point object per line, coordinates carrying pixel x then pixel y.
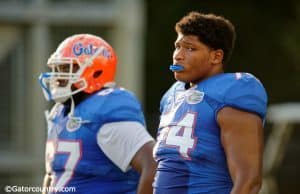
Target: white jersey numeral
{"type": "Point", "coordinates": [50, 151]}
{"type": "Point", "coordinates": [73, 150]}
{"type": "Point", "coordinates": [180, 135]}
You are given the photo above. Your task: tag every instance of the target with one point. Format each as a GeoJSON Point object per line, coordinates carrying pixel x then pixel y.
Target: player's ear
{"type": "Point", "coordinates": [217, 56]}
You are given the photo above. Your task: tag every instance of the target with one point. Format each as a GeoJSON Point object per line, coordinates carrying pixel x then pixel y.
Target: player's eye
{"type": "Point", "coordinates": [63, 68]}
{"type": "Point", "coordinates": [190, 48]}
{"type": "Point", "coordinates": [177, 46]}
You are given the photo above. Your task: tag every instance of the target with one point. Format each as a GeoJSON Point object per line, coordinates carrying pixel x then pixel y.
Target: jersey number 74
{"type": "Point", "coordinates": [180, 135]}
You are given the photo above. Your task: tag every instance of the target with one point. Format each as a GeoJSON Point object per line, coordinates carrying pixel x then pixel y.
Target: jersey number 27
{"type": "Point", "coordinates": [73, 150]}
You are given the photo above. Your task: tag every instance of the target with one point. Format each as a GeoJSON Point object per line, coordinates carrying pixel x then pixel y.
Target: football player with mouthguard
{"type": "Point", "coordinates": [97, 141]}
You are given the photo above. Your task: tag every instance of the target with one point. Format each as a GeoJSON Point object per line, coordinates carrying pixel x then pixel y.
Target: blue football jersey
{"type": "Point", "coordinates": [189, 152]}
{"type": "Point", "coordinates": [73, 156]}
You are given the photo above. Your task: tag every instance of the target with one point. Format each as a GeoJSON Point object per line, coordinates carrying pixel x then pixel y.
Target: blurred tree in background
{"type": "Point", "coordinates": [267, 45]}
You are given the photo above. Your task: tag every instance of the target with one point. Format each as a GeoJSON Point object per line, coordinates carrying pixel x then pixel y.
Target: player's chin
{"type": "Point", "coordinates": [180, 76]}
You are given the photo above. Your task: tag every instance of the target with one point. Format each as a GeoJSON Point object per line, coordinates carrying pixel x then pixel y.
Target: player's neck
{"type": "Point", "coordinates": [79, 97]}
{"type": "Point", "coordinates": [191, 84]}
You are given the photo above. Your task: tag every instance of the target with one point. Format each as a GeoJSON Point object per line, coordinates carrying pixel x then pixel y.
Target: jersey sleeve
{"type": "Point", "coordinates": [247, 93]}
{"type": "Point", "coordinates": [120, 141]}
{"type": "Point", "coordinates": [122, 105]}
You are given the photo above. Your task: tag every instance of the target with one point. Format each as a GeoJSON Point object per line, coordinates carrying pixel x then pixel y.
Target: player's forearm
{"type": "Point", "coordinates": [145, 188]}
{"type": "Point", "coordinates": [144, 163]}
{"type": "Point", "coordinates": [145, 183]}
{"type": "Point", "coordinates": [247, 185]}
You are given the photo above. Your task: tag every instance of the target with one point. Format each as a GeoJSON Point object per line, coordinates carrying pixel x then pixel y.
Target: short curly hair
{"type": "Point", "coordinates": [214, 31]}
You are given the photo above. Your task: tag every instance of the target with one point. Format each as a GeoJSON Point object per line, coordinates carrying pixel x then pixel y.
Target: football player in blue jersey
{"type": "Point", "coordinates": [97, 141]}
{"type": "Point", "coordinates": [210, 136]}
